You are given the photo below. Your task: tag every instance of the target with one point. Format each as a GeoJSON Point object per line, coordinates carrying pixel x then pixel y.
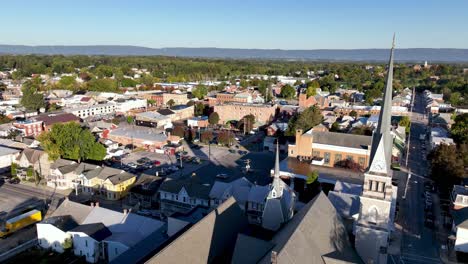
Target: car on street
{"type": "Point", "coordinates": [157, 162]}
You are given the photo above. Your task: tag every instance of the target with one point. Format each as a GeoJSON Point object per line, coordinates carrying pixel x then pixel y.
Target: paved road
{"type": "Point", "coordinates": [418, 244]}
{"type": "Point", "coordinates": [14, 199]}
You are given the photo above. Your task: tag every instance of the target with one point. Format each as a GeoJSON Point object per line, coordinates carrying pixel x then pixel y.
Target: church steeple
{"type": "Point", "coordinates": [382, 143]}
{"type": "Point", "coordinates": [278, 185]}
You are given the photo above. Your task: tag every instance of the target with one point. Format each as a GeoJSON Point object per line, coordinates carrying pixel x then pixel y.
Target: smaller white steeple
{"type": "Point", "coordinates": [278, 185]}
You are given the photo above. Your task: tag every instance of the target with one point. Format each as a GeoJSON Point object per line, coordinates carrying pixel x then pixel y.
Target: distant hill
{"type": "Point", "coordinates": [406, 55]}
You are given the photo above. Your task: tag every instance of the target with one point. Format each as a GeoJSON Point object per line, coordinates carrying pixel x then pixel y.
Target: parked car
{"type": "Point", "coordinates": [222, 176]}
{"type": "Point", "coordinates": [14, 180]}
{"type": "Point", "coordinates": [143, 160]}
{"type": "Point", "coordinates": [157, 162]}
{"type": "Point", "coordinates": [132, 165]}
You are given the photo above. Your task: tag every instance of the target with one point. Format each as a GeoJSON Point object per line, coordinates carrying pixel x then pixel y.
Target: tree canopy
{"type": "Point", "coordinates": [459, 129]}
{"type": "Point", "coordinates": [32, 99]}
{"type": "Point", "coordinates": [213, 119]}
{"type": "Point", "coordinates": [288, 91]}
{"type": "Point", "coordinates": [71, 141]}
{"type": "Point", "coordinates": [309, 118]}
{"type": "Point", "coordinates": [448, 163]}
{"type": "Point", "coordinates": [200, 91]}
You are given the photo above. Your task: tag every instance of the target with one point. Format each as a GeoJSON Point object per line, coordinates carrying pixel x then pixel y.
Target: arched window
{"type": "Point", "coordinates": [373, 214]}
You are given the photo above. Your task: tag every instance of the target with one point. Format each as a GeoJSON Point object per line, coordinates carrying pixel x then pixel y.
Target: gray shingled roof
{"type": "Point", "coordinates": [192, 186]}
{"type": "Point", "coordinates": [207, 240]}
{"type": "Point", "coordinates": [77, 211]}
{"type": "Point", "coordinates": [342, 139]}
{"type": "Point", "coordinates": [315, 233]}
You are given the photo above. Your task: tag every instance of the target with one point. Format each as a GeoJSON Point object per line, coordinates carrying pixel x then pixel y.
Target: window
{"type": "Point", "coordinates": [361, 161]}
{"type": "Point", "coordinates": [349, 157]}
{"type": "Point", "coordinates": [184, 199]}
{"type": "Point", "coordinates": [116, 252]}
{"type": "Point", "coordinates": [316, 153]}
{"type": "Point", "coordinates": [86, 243]}
{"type": "Point", "coordinates": [326, 157]}
{"type": "Point", "coordinates": [337, 157]}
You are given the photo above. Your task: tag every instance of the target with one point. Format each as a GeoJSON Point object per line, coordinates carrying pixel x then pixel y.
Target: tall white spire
{"type": "Point", "coordinates": [382, 143]}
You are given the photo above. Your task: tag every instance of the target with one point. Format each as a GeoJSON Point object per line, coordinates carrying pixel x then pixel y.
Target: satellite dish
{"type": "Point", "coordinates": [42, 110]}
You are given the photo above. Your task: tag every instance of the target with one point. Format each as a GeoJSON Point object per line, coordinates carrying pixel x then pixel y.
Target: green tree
{"type": "Point", "coordinates": [14, 169]}
{"type": "Point", "coordinates": [288, 91]}
{"type": "Point", "coordinates": [455, 98]}
{"type": "Point", "coordinates": [130, 119]}
{"type": "Point", "coordinates": [309, 118]}
{"type": "Point", "coordinates": [151, 102]}
{"type": "Point", "coordinates": [32, 99]}
{"type": "Point", "coordinates": [200, 91]}
{"type": "Point", "coordinates": [335, 127]}
{"type": "Point", "coordinates": [213, 119]}
{"type": "Point", "coordinates": [311, 91]}
{"type": "Point", "coordinates": [353, 113]}
{"type": "Point", "coordinates": [405, 121]}
{"type": "Point", "coordinates": [312, 177]}
{"type": "Point", "coordinates": [67, 243]}
{"type": "Point", "coordinates": [103, 85]}
{"type": "Point", "coordinates": [71, 141]}
{"type": "Point", "coordinates": [68, 83]}
{"type": "Point", "coordinates": [199, 109]}
{"type": "Point", "coordinates": [459, 129]}
{"type": "Point", "coordinates": [170, 103]}
{"type": "Point", "coordinates": [448, 163]}
{"type": "Point", "coordinates": [127, 82]}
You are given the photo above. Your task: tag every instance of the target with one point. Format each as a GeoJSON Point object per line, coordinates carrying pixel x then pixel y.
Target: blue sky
{"type": "Point", "coordinates": [288, 24]}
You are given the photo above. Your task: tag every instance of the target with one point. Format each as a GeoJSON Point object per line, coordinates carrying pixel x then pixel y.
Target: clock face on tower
{"type": "Point", "coordinates": [378, 165]}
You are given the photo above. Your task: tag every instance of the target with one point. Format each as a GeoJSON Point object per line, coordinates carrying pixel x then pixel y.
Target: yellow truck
{"type": "Point", "coordinates": [23, 220]}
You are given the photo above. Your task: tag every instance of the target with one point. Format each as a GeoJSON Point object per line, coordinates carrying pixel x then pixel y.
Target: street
{"type": "Point", "coordinates": [418, 244]}
{"type": "Point", "coordinates": [17, 198]}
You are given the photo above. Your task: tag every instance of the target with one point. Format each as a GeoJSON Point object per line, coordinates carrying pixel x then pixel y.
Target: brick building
{"type": "Point", "coordinates": [320, 101]}
{"type": "Point", "coordinates": [329, 148]}
{"type": "Point", "coordinates": [264, 113]}
{"type": "Point", "coordinates": [49, 119]}
{"type": "Point", "coordinates": [29, 127]}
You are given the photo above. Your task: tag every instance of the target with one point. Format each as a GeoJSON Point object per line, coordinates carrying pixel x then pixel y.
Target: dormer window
{"type": "Point", "coordinates": [465, 199]}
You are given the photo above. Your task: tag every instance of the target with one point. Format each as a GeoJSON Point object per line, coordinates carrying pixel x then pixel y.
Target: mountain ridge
{"type": "Point", "coordinates": [360, 55]}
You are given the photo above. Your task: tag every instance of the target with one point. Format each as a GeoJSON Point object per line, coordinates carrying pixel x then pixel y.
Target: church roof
{"type": "Point", "coordinates": [315, 235]}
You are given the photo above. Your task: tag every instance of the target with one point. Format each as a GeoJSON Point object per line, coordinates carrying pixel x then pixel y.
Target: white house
{"type": "Point", "coordinates": [7, 156]}
{"type": "Point", "coordinates": [97, 233]}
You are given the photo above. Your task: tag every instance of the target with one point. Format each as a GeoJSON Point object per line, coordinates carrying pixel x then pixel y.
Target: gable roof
{"type": "Point", "coordinates": [97, 231]}
{"type": "Point", "coordinates": [76, 210]}
{"type": "Point", "coordinates": [255, 247]}
{"type": "Point", "coordinates": [295, 244]}
{"type": "Point", "coordinates": [208, 240]}
{"type": "Point", "coordinates": [192, 186]}
{"type": "Point", "coordinates": [147, 184]}
{"type": "Point", "coordinates": [32, 155]}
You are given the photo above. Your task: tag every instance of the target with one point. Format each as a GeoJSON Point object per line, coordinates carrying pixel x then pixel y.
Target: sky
{"type": "Point", "coordinates": [288, 24]}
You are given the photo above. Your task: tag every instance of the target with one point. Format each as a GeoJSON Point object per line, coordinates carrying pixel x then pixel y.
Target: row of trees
{"type": "Point", "coordinates": [449, 163]}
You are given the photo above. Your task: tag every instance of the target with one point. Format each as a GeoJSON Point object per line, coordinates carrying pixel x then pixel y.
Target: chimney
{"type": "Point", "coordinates": [125, 211]}
{"type": "Point", "coordinates": [194, 174]}
{"type": "Point", "coordinates": [92, 204]}
{"type": "Point", "coordinates": [97, 204]}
